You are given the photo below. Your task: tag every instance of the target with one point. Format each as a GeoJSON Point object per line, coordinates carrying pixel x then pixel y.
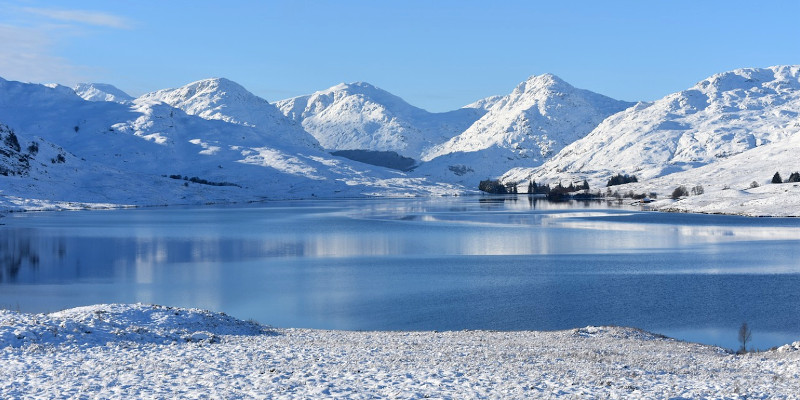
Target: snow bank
{"type": "Point", "coordinates": [140, 351]}
{"type": "Point", "coordinates": [104, 324]}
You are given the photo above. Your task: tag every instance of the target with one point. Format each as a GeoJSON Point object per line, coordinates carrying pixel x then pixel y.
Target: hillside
{"type": "Point", "coordinates": [719, 117]}
{"type": "Point", "coordinates": [740, 184]}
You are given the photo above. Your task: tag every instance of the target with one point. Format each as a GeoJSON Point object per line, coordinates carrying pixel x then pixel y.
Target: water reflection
{"type": "Point", "coordinates": [22, 249]}
{"type": "Point", "coordinates": [453, 263]}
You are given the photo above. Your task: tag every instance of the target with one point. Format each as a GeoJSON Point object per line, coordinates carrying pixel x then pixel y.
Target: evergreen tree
{"type": "Point", "coordinates": [12, 142]}
{"type": "Point", "coordinates": [621, 179]}
{"type": "Point", "coordinates": [777, 178]}
{"type": "Point", "coordinates": [794, 177]}
{"type": "Point", "coordinates": [490, 186]}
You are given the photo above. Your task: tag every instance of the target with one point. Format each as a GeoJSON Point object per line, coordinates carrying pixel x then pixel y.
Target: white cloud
{"type": "Point", "coordinates": [31, 38]}
{"type": "Point", "coordinates": [82, 16]}
{"type": "Point", "coordinates": [26, 55]}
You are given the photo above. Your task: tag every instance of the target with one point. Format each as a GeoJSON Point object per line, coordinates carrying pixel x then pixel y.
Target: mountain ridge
{"type": "Point", "coordinates": [116, 149]}
{"type": "Point", "coordinates": [101, 92]}
{"type": "Point", "coordinates": [720, 116]}
{"type": "Point", "coordinates": [361, 116]}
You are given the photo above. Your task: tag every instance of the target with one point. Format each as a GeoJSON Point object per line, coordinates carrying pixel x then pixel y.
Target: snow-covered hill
{"type": "Point", "coordinates": [148, 152]}
{"type": "Point", "coordinates": [101, 92]}
{"type": "Point", "coordinates": [524, 128]}
{"type": "Point", "coordinates": [717, 118]}
{"type": "Point", "coordinates": [359, 116]}
{"type": "Point", "coordinates": [225, 100]}
{"type": "Point", "coordinates": [739, 184]}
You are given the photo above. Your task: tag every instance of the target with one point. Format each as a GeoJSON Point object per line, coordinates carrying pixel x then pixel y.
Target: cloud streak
{"type": "Point", "coordinates": [27, 56]}
{"type": "Point", "coordinates": [31, 38]}
{"type": "Point", "coordinates": [82, 17]}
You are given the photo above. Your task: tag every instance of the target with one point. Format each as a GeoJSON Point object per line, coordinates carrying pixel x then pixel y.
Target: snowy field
{"type": "Point", "coordinates": [145, 351]}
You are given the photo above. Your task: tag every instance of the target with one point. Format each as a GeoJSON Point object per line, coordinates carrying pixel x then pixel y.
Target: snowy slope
{"type": "Point", "coordinates": [124, 154]}
{"type": "Point", "coordinates": [524, 128]}
{"type": "Point", "coordinates": [485, 104]}
{"type": "Point", "coordinates": [738, 184]}
{"type": "Point", "coordinates": [719, 117]}
{"type": "Point", "coordinates": [101, 92]}
{"type": "Point", "coordinates": [359, 116]}
{"type": "Point", "coordinates": [225, 100]}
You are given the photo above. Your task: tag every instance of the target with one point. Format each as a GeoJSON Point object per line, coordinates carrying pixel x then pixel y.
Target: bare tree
{"type": "Point", "coordinates": [744, 336]}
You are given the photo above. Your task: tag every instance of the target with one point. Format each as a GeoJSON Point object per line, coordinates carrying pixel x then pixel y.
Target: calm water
{"type": "Point", "coordinates": [409, 264]}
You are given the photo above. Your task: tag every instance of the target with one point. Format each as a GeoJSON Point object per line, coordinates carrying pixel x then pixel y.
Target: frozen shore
{"type": "Point", "coordinates": [145, 351]}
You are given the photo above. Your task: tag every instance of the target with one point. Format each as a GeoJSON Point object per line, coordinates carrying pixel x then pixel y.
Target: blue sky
{"type": "Point", "coordinates": [438, 55]}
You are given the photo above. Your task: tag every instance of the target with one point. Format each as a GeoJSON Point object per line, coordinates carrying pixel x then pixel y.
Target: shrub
{"type": "Point", "coordinates": [679, 192]}
{"type": "Point", "coordinates": [620, 179]}
{"type": "Point", "coordinates": [33, 148]}
{"type": "Point", "coordinates": [754, 185]}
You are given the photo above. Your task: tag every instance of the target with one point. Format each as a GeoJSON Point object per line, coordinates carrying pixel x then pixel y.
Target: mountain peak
{"type": "Point", "coordinates": [357, 85]}
{"type": "Point", "coordinates": [220, 86]}
{"type": "Point", "coordinates": [217, 91]}
{"type": "Point", "coordinates": [539, 82]}
{"type": "Point", "coordinates": [360, 88]}
{"type": "Point", "coordinates": [101, 92]}
{"type": "Point", "coordinates": [225, 100]}
{"type": "Point", "coordinates": [537, 119]}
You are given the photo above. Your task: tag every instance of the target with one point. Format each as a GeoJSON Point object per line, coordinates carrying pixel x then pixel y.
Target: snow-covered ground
{"type": "Point", "coordinates": [146, 351]}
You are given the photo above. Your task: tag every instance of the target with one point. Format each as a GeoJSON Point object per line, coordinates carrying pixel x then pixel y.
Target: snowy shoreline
{"type": "Point", "coordinates": [757, 207]}
{"type": "Point", "coordinates": [147, 351]}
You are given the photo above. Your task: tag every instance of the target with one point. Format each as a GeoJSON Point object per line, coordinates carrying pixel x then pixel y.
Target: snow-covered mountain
{"type": "Point", "coordinates": [724, 115]}
{"type": "Point", "coordinates": [524, 128]}
{"type": "Point", "coordinates": [148, 152]}
{"type": "Point", "coordinates": [359, 116]}
{"type": "Point", "coordinates": [225, 100]}
{"type": "Point", "coordinates": [213, 141]}
{"type": "Point", "coordinates": [101, 92]}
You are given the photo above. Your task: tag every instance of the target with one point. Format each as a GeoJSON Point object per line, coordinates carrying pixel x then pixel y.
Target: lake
{"type": "Point", "coordinates": [420, 264]}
